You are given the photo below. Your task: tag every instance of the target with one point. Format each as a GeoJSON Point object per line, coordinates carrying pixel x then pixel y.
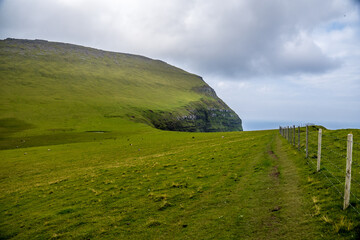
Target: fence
{"type": "Point", "coordinates": [337, 159]}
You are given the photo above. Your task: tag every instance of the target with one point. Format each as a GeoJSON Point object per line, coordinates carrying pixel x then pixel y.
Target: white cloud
{"type": "Point", "coordinates": [228, 38]}
{"type": "Point", "coordinates": [259, 55]}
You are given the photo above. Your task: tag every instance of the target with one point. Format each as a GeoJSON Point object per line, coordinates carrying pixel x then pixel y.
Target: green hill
{"type": "Point", "coordinates": [49, 88]}
{"type": "Point", "coordinates": [80, 157]}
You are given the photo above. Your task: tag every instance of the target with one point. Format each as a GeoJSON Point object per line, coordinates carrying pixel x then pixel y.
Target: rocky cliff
{"type": "Point", "coordinates": [210, 114]}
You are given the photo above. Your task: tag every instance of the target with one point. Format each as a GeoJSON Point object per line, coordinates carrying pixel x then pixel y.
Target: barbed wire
{"type": "Point", "coordinates": [335, 138]}
{"type": "Point", "coordinates": [357, 200]}
{"type": "Point", "coordinates": [355, 181]}
{"type": "Point", "coordinates": [337, 144]}
{"type": "Point", "coordinates": [332, 175]}
{"type": "Point", "coordinates": [335, 187]}
{"type": "Point", "coordinates": [332, 183]}
{"type": "Point", "coordinates": [355, 163]}
{"type": "Point", "coordinates": [313, 133]}
{"type": "Point", "coordinates": [334, 165]}
{"type": "Point", "coordinates": [354, 208]}
{"type": "Point", "coordinates": [325, 171]}
{"type": "Point", "coordinates": [351, 193]}
{"type": "Point", "coordinates": [334, 152]}
{"type": "Point", "coordinates": [309, 160]}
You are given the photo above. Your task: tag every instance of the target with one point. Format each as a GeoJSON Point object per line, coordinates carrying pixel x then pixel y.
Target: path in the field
{"type": "Point", "coordinates": [283, 211]}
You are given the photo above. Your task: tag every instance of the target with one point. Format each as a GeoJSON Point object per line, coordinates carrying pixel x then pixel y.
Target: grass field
{"type": "Point", "coordinates": [80, 159]}
{"type": "Point", "coordinates": [169, 185]}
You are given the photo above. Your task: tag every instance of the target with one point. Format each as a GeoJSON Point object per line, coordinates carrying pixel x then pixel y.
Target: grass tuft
{"type": "Point", "coordinates": [344, 225]}
{"type": "Point", "coordinates": [153, 223]}
{"type": "Point", "coordinates": [326, 219]}
{"type": "Point", "coordinates": [164, 205]}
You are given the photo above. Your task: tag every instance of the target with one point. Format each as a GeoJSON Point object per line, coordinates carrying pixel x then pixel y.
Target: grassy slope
{"type": "Point", "coordinates": [138, 182]}
{"type": "Point", "coordinates": [330, 180]}
{"type": "Point", "coordinates": [248, 185]}
{"type": "Point", "coordinates": [49, 88]}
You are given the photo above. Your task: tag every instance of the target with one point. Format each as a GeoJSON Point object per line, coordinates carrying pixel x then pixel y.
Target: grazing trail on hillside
{"type": "Point", "coordinates": [279, 208]}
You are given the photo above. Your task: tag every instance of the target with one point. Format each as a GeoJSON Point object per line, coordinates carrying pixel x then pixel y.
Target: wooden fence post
{"type": "Point", "coordinates": [307, 141]}
{"type": "Point", "coordinates": [299, 138]}
{"type": "Point", "coordinates": [294, 135]}
{"type": "Point", "coordinates": [288, 134]}
{"type": "Point", "coordinates": [348, 171]}
{"type": "Point", "coordinates": [284, 132]}
{"type": "Point", "coordinates": [319, 150]}
{"type": "Point", "coordinates": [287, 131]}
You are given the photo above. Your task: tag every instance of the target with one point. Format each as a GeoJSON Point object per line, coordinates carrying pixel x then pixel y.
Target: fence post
{"type": "Point", "coordinates": [319, 150]}
{"type": "Point", "coordinates": [294, 135]}
{"type": "Point", "coordinates": [287, 133]}
{"type": "Point", "coordinates": [307, 141]}
{"type": "Point", "coordinates": [288, 129]}
{"type": "Point", "coordinates": [348, 171]}
{"type": "Point", "coordinates": [299, 138]}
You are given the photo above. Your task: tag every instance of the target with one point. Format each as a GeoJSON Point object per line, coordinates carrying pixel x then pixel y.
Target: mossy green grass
{"type": "Point", "coordinates": [168, 185]}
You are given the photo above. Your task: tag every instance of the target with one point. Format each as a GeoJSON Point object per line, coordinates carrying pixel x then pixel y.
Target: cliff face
{"type": "Point", "coordinates": [199, 120]}
{"type": "Point", "coordinates": [210, 114]}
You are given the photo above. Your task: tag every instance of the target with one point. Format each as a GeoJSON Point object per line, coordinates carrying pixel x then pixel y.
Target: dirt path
{"type": "Point", "coordinates": [293, 217]}
{"type": "Point", "coordinates": [283, 210]}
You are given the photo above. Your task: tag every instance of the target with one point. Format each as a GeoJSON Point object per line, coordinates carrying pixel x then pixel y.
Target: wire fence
{"type": "Point", "coordinates": [327, 152]}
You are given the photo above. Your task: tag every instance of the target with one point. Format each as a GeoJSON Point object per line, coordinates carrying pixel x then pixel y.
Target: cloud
{"type": "Point", "coordinates": [230, 38]}
{"type": "Point", "coordinates": [260, 56]}
{"type": "Point", "coordinates": [302, 54]}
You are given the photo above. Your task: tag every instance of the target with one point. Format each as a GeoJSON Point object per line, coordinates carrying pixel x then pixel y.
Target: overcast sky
{"type": "Point", "coordinates": [272, 61]}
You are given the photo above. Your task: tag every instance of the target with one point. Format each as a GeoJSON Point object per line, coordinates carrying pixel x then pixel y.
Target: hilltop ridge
{"type": "Point", "coordinates": [50, 85]}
